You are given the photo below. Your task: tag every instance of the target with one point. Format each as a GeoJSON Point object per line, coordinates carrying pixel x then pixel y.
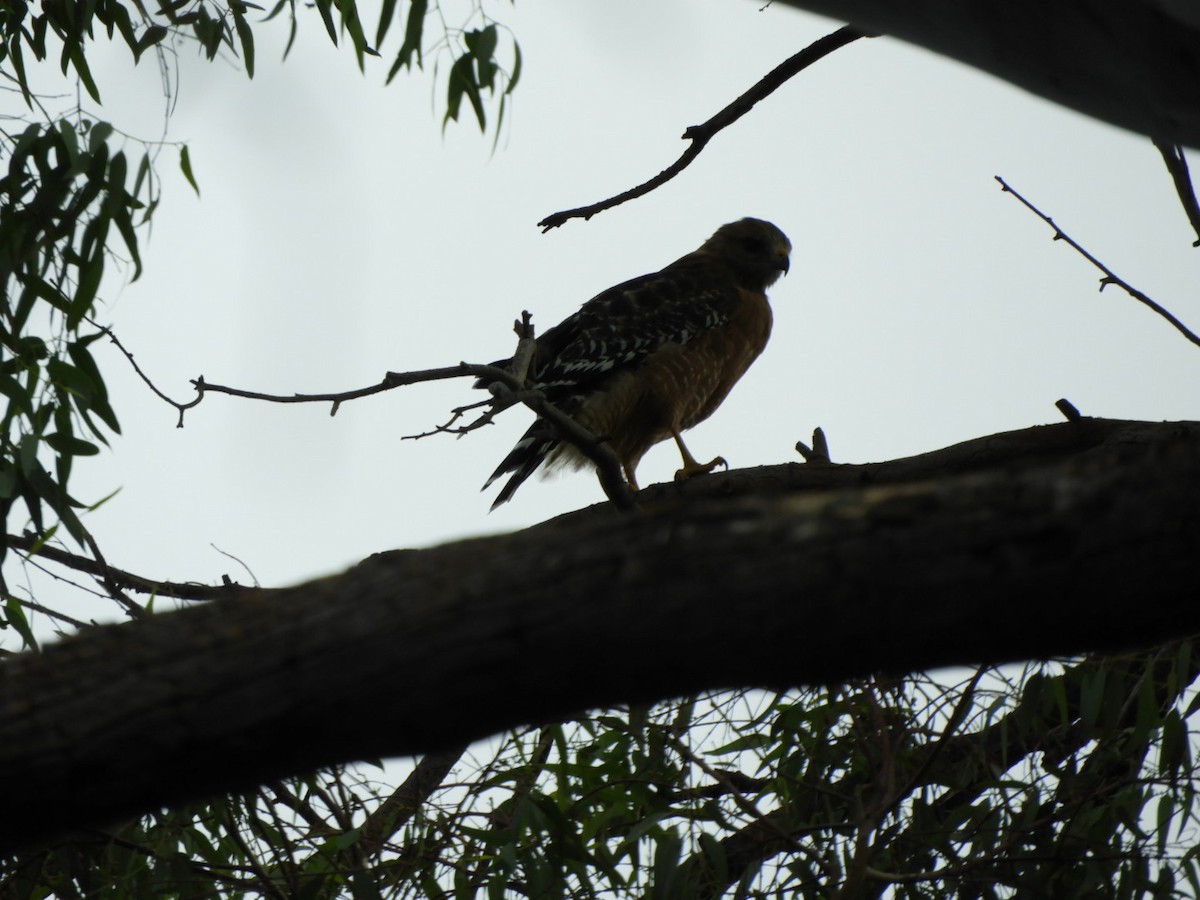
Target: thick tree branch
{"type": "Point", "coordinates": [1062, 539]}
{"type": "Point", "coordinates": [1135, 63]}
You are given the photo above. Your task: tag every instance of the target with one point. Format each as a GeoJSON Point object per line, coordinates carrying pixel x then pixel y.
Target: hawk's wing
{"type": "Point", "coordinates": [621, 326]}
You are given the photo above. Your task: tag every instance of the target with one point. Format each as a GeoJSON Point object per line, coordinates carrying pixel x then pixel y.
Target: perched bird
{"type": "Point", "coordinates": [645, 360]}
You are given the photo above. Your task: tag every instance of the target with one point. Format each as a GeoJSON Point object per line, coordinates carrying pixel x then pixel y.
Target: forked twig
{"type": "Point", "coordinates": [1109, 276]}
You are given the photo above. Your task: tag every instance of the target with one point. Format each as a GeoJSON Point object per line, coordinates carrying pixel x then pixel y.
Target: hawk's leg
{"type": "Point", "coordinates": [631, 477]}
{"type": "Point", "coordinates": [690, 465]}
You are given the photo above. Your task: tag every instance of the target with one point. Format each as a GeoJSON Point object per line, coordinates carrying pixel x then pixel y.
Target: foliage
{"type": "Point", "coordinates": [70, 190]}
{"type": "Point", "coordinates": [65, 198]}
{"type": "Point", "coordinates": [1047, 782]}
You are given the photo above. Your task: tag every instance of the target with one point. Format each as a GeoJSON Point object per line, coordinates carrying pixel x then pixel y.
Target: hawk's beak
{"type": "Point", "coordinates": [784, 262]}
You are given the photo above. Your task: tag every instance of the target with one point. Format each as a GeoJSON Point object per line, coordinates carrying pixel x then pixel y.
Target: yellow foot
{"type": "Point", "coordinates": [698, 468]}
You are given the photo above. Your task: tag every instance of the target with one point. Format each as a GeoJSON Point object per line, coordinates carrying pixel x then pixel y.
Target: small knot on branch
{"type": "Point", "coordinates": [1068, 409]}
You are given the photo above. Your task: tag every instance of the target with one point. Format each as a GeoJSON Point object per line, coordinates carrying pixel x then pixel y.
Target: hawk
{"type": "Point", "coordinates": [647, 359]}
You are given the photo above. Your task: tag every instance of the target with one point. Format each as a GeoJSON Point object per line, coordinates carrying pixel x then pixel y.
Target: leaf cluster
{"type": "Point", "coordinates": [1054, 781]}
{"type": "Point", "coordinates": [65, 197]}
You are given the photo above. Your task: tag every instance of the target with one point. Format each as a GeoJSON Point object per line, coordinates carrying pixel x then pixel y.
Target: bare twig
{"type": "Point", "coordinates": [700, 135]}
{"type": "Point", "coordinates": [1172, 155]}
{"type": "Point", "coordinates": [1068, 409]}
{"type": "Point", "coordinates": [390, 381]}
{"type": "Point", "coordinates": [1109, 277]}
{"type": "Point", "coordinates": [181, 407]}
{"type": "Point", "coordinates": [507, 388]}
{"type": "Point", "coordinates": [526, 345]}
{"type": "Point", "coordinates": [818, 453]}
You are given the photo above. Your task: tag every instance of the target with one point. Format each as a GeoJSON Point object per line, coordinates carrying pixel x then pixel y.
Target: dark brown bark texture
{"type": "Point", "coordinates": [1134, 63]}
{"type": "Point", "coordinates": [1054, 540]}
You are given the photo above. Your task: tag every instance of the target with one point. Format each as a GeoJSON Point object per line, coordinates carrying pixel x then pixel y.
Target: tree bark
{"type": "Point", "coordinates": [1051, 541]}
{"type": "Point", "coordinates": [1134, 63]}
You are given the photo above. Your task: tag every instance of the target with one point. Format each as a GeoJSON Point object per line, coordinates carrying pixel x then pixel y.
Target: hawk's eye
{"type": "Point", "coordinates": [753, 245]}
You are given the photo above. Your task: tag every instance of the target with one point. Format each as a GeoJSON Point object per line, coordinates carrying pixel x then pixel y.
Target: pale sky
{"type": "Point", "coordinates": [340, 235]}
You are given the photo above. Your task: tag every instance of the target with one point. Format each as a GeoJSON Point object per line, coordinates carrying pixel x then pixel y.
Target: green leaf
{"type": "Point", "coordinates": [70, 141]}
{"type": "Point", "coordinates": [185, 165]}
{"type": "Point", "coordinates": [462, 83]}
{"type": "Point", "coordinates": [414, 29]}
{"type": "Point", "coordinates": [18, 395]}
{"type": "Point", "coordinates": [90, 274]}
{"type": "Point", "coordinates": [515, 75]}
{"type": "Point", "coordinates": [79, 62]}
{"type": "Point", "coordinates": [482, 46]}
{"type": "Point", "coordinates": [246, 37]}
{"type": "Point", "coordinates": [143, 173]}
{"type": "Point", "coordinates": [386, 14]}
{"type": "Point", "coordinates": [14, 614]}
{"type": "Point", "coordinates": [325, 8]}
{"type": "Point", "coordinates": [19, 67]}
{"type": "Point", "coordinates": [353, 26]}
{"type": "Point", "coordinates": [151, 36]}
{"type": "Point", "coordinates": [69, 445]}
{"type": "Point", "coordinates": [9, 482]}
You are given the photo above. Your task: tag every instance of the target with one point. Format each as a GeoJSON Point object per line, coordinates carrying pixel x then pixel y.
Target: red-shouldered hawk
{"type": "Point", "coordinates": [648, 359]}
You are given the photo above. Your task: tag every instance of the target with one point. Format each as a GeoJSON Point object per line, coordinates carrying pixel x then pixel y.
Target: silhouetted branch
{"type": "Point", "coordinates": [1109, 277]}
{"type": "Point", "coordinates": [181, 407]}
{"type": "Point", "coordinates": [506, 388]}
{"type": "Point", "coordinates": [119, 577]}
{"type": "Point", "coordinates": [700, 135]}
{"type": "Point", "coordinates": [1172, 155]}
{"type": "Point", "coordinates": [1132, 63]}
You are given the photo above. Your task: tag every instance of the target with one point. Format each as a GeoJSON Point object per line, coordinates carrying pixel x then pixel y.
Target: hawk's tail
{"type": "Point", "coordinates": [530, 451]}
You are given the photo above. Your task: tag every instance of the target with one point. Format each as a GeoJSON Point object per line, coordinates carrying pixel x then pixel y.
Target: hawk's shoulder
{"type": "Point", "coordinates": [626, 323]}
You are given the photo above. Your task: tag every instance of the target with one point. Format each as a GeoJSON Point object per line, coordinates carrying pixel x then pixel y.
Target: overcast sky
{"type": "Point", "coordinates": [339, 234]}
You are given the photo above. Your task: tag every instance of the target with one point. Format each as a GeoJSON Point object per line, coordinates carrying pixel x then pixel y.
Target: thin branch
{"type": "Point", "coordinates": [46, 611]}
{"type": "Point", "coordinates": [1176, 163]}
{"type": "Point", "coordinates": [104, 575]}
{"type": "Point", "coordinates": [390, 381]}
{"type": "Point", "coordinates": [119, 577]}
{"type": "Point", "coordinates": [507, 389]}
{"type": "Point", "coordinates": [700, 135]}
{"type": "Point", "coordinates": [182, 407]}
{"type": "Point", "coordinates": [405, 802]}
{"type": "Point", "coordinates": [1109, 277]}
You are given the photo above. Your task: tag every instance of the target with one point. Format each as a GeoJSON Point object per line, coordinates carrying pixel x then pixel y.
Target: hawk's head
{"type": "Point", "coordinates": [755, 249]}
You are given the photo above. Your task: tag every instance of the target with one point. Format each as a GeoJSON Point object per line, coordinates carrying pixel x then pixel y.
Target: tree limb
{"type": "Point", "coordinates": [1135, 64]}
{"type": "Point", "coordinates": [780, 576]}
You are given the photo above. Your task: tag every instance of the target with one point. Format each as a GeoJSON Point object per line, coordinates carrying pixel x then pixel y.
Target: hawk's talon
{"type": "Point", "coordinates": [694, 468]}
